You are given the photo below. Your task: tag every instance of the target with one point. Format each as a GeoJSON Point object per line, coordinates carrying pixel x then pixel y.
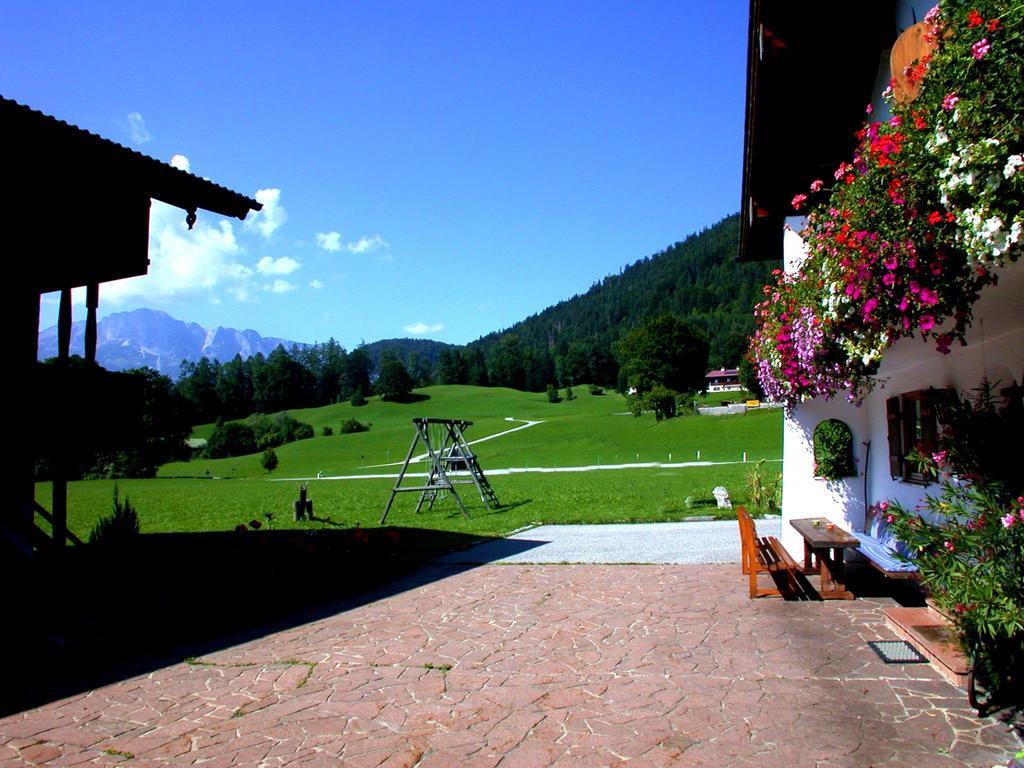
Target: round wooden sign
{"type": "Point", "coordinates": [909, 49]}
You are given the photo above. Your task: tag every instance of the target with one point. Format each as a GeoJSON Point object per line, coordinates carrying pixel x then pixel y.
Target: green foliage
{"type": "Point", "coordinates": [969, 549]}
{"type": "Point", "coordinates": [553, 396]}
{"type": "Point", "coordinates": [665, 351]}
{"type": "Point", "coordinates": [833, 450]}
{"type": "Point", "coordinates": [277, 429]}
{"type": "Point", "coordinates": [764, 489]}
{"type": "Point", "coordinates": [352, 426]}
{"type": "Point", "coordinates": [358, 399]}
{"type": "Point", "coordinates": [748, 377]}
{"type": "Point", "coordinates": [230, 439]}
{"type": "Point", "coordinates": [569, 394]}
{"type": "Point", "coordinates": [394, 382]}
{"type": "Point", "coordinates": [327, 430]}
{"type": "Point", "coordinates": [595, 390]}
{"type": "Point", "coordinates": [268, 460]}
{"type": "Point", "coordinates": [119, 528]}
{"type": "Point", "coordinates": [969, 542]}
{"type": "Point", "coordinates": [110, 424]}
{"type": "Point", "coordinates": [661, 400]}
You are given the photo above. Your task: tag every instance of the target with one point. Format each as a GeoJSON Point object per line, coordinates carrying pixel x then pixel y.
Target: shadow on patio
{"type": "Point", "coordinates": [97, 616]}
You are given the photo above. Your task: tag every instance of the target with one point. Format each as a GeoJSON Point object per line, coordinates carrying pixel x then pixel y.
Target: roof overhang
{"type": "Point", "coordinates": [78, 204]}
{"type": "Point", "coordinates": [811, 67]}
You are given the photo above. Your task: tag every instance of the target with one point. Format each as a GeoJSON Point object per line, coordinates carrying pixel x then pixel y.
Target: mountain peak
{"type": "Point", "coordinates": [151, 337]}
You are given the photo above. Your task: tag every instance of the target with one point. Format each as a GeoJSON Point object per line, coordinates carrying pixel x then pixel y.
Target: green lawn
{"type": "Point", "coordinates": [589, 430]}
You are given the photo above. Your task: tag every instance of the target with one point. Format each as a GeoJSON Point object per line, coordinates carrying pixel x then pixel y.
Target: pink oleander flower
{"type": "Point", "coordinates": [949, 545]}
{"type": "Point", "coordinates": [939, 457]}
{"type": "Point", "coordinates": [1008, 519]}
{"type": "Point", "coordinates": [890, 518]}
{"type": "Point", "coordinates": [950, 101]}
{"type": "Point", "coordinates": [883, 505]}
{"type": "Point", "coordinates": [981, 48]}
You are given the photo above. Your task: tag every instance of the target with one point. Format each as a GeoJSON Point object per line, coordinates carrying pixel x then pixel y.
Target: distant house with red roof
{"type": "Point", "coordinates": [723, 380]}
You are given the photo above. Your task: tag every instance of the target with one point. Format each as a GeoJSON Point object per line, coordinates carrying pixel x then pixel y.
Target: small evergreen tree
{"type": "Point", "coordinates": [268, 460]}
{"type": "Point", "coordinates": [553, 396]}
{"type": "Point", "coordinates": [358, 398]}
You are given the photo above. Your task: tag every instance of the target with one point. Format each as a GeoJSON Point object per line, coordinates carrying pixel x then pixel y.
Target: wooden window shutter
{"type": "Point", "coordinates": [892, 414]}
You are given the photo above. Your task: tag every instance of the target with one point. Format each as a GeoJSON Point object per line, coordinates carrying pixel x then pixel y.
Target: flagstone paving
{"type": "Point", "coordinates": [541, 665]}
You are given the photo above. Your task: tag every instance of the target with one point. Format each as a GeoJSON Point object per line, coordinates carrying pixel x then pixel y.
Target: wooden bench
{"type": "Point", "coordinates": [765, 554]}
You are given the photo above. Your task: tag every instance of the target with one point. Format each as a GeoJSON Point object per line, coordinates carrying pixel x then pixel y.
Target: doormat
{"type": "Point", "coordinates": [897, 652]}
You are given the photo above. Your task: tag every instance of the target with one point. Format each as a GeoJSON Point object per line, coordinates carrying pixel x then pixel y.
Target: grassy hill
{"type": "Point", "coordinates": [589, 430]}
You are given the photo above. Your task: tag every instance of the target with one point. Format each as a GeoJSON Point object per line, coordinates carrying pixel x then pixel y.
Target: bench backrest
{"type": "Point", "coordinates": [876, 526]}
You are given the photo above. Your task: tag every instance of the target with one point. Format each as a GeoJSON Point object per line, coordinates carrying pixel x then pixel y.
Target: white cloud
{"type": "Point", "coordinates": [282, 266]}
{"type": "Point", "coordinates": [273, 215]}
{"type": "Point", "coordinates": [184, 263]}
{"type": "Point", "coordinates": [137, 130]}
{"type": "Point", "coordinates": [279, 286]}
{"type": "Point", "coordinates": [366, 244]}
{"type": "Point", "coordinates": [181, 163]}
{"type": "Point", "coordinates": [418, 329]}
{"type": "Point", "coordinates": [316, 285]}
{"type": "Point", "coordinates": [329, 241]}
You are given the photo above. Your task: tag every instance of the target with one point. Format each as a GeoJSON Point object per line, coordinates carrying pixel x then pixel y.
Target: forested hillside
{"type": "Point", "coordinates": [697, 280]}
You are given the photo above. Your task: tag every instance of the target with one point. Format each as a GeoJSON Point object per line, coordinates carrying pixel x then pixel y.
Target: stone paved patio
{"type": "Point", "coordinates": [581, 665]}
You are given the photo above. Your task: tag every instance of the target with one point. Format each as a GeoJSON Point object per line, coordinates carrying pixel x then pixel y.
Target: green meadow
{"type": "Point", "coordinates": [590, 430]}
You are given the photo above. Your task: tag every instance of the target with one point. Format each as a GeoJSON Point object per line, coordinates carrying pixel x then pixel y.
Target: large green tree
{"type": "Point", "coordinates": [666, 351]}
{"type": "Point", "coordinates": [394, 382]}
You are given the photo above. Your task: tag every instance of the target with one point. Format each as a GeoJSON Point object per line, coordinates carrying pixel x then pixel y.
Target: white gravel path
{"type": "Point", "coordinates": [714, 541]}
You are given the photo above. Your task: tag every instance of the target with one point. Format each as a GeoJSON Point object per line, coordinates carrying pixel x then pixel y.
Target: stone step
{"type": "Point", "coordinates": [934, 637]}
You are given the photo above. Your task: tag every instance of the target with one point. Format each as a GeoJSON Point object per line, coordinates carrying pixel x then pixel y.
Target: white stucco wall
{"type": "Point", "coordinates": [995, 350]}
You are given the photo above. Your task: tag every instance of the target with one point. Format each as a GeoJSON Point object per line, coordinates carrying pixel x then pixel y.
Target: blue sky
{"type": "Point", "coordinates": [437, 169]}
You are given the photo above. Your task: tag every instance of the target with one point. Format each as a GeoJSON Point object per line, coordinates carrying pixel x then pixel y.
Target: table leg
{"type": "Point", "coordinates": [833, 575]}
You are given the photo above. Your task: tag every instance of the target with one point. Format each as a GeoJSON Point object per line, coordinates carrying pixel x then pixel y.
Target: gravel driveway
{"type": "Point", "coordinates": [689, 543]}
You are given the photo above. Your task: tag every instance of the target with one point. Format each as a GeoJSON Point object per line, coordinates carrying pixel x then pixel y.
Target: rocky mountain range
{"type": "Point", "coordinates": [148, 337]}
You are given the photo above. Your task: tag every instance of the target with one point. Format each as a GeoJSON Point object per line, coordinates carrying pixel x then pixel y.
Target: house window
{"type": "Point", "coordinates": [912, 426]}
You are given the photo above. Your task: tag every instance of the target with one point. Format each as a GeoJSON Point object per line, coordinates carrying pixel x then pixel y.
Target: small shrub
{"type": "Point", "coordinates": [595, 390]}
{"type": "Point", "coordinates": [268, 460]}
{"type": "Point", "coordinates": [303, 431]}
{"type": "Point", "coordinates": [764, 489]}
{"type": "Point", "coordinates": [351, 426]}
{"type": "Point", "coordinates": [327, 430]}
{"type": "Point", "coordinates": [569, 394]}
{"type": "Point", "coordinates": [358, 399]}
{"type": "Point", "coordinates": [119, 528]}
{"type": "Point", "coordinates": [553, 396]}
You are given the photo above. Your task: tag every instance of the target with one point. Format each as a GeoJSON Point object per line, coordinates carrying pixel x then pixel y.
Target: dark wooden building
{"type": "Point", "coordinates": [76, 207]}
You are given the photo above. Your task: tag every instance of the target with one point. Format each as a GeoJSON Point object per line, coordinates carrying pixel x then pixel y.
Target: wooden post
{"type": "Point", "coordinates": [92, 302]}
{"type": "Point", "coordinates": [64, 325]}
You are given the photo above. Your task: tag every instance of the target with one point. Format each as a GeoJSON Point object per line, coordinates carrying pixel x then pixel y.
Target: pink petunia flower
{"type": "Point", "coordinates": [927, 322]}
{"type": "Point", "coordinates": [981, 48]}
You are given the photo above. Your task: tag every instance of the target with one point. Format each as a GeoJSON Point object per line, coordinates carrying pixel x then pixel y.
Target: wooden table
{"type": "Point", "coordinates": [826, 546]}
